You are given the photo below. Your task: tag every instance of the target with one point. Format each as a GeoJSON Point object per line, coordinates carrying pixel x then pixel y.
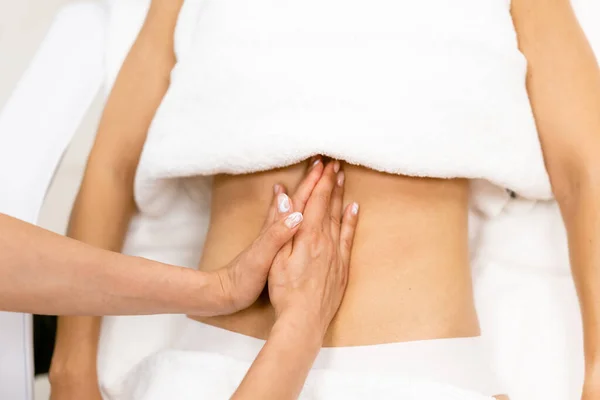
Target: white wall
{"type": "Point", "coordinates": [23, 24]}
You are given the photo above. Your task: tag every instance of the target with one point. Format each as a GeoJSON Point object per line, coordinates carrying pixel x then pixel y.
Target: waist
{"type": "Point", "coordinates": [460, 362]}
{"type": "Point", "coordinates": [409, 273]}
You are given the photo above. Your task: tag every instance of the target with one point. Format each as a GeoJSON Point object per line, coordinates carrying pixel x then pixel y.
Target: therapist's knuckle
{"type": "Point", "coordinates": [335, 221]}
{"type": "Point", "coordinates": [314, 235]}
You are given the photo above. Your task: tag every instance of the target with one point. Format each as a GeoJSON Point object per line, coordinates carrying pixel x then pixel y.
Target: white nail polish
{"type": "Point", "coordinates": [341, 178]}
{"type": "Point", "coordinates": [283, 203]}
{"type": "Point", "coordinates": [354, 208]}
{"type": "Point", "coordinates": [315, 163]}
{"type": "Point", "coordinates": [336, 166]}
{"type": "Point", "coordinates": [293, 220]}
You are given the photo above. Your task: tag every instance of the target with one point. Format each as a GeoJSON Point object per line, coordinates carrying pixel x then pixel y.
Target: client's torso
{"type": "Point", "coordinates": [409, 273]}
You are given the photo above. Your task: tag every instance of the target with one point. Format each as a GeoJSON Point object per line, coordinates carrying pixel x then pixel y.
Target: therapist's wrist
{"type": "Point", "coordinates": [172, 289]}
{"type": "Point", "coordinates": [215, 297]}
{"type": "Point", "coordinates": [199, 293]}
{"type": "Point", "coordinates": [301, 325]}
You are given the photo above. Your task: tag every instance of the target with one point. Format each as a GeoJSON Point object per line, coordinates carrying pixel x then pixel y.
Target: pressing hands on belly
{"type": "Point", "coordinates": [303, 254]}
{"type": "Point", "coordinates": [306, 284]}
{"type": "Point", "coordinates": [292, 239]}
{"type": "Point", "coordinates": [303, 250]}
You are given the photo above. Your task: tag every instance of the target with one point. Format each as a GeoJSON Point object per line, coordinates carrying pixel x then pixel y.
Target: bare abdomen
{"type": "Point", "coordinates": [409, 274]}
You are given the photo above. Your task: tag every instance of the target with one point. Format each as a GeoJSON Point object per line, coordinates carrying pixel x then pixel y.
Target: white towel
{"type": "Point", "coordinates": [426, 88]}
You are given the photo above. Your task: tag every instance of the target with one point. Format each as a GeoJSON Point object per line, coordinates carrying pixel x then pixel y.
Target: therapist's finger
{"type": "Point", "coordinates": [337, 198]}
{"type": "Point", "coordinates": [279, 207]}
{"type": "Point", "coordinates": [347, 231]}
{"type": "Point", "coordinates": [308, 183]}
{"type": "Point", "coordinates": [318, 206]}
{"type": "Point", "coordinates": [274, 238]}
{"type": "Point", "coordinates": [278, 231]}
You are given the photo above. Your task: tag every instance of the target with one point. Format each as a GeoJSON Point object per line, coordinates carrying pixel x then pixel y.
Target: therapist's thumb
{"type": "Point", "coordinates": [278, 234]}
{"type": "Point", "coordinates": [281, 227]}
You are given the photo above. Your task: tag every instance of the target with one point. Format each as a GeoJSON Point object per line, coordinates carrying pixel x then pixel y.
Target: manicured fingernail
{"type": "Point", "coordinates": [293, 220]}
{"type": "Point", "coordinates": [354, 208]}
{"type": "Point", "coordinates": [340, 178]}
{"type": "Point", "coordinates": [336, 166]}
{"type": "Point", "coordinates": [315, 163]}
{"type": "Point", "coordinates": [283, 203]}
{"type": "Point", "coordinates": [276, 188]}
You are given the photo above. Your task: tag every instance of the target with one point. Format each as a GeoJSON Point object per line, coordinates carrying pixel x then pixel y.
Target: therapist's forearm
{"type": "Point", "coordinates": [281, 368]}
{"type": "Point", "coordinates": [45, 273]}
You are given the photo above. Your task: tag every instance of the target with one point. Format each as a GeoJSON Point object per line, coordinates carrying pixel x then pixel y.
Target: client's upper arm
{"type": "Point", "coordinates": [563, 82]}
{"type": "Point", "coordinates": [137, 93]}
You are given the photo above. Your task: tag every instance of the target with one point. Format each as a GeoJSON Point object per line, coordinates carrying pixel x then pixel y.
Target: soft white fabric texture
{"type": "Point", "coordinates": [210, 376]}
{"type": "Point", "coordinates": [426, 369]}
{"type": "Point", "coordinates": [264, 84]}
{"type": "Point", "coordinates": [36, 125]}
{"type": "Point", "coordinates": [527, 304]}
{"type": "Point", "coordinates": [524, 291]}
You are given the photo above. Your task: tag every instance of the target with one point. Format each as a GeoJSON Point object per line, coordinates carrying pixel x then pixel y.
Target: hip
{"type": "Point", "coordinates": [442, 365]}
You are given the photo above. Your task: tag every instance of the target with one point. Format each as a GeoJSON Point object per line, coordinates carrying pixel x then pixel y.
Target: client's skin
{"type": "Point", "coordinates": [409, 273]}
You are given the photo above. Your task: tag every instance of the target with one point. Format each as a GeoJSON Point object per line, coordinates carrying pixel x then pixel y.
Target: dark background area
{"type": "Point", "coordinates": [44, 336]}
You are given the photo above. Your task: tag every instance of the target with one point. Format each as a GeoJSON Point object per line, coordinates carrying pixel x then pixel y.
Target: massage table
{"type": "Point", "coordinates": [80, 58]}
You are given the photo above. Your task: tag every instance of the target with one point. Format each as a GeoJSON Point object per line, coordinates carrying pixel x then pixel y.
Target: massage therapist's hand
{"type": "Point", "coordinates": [306, 284]}
{"type": "Point", "coordinates": [309, 275]}
{"type": "Point", "coordinates": [242, 281]}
